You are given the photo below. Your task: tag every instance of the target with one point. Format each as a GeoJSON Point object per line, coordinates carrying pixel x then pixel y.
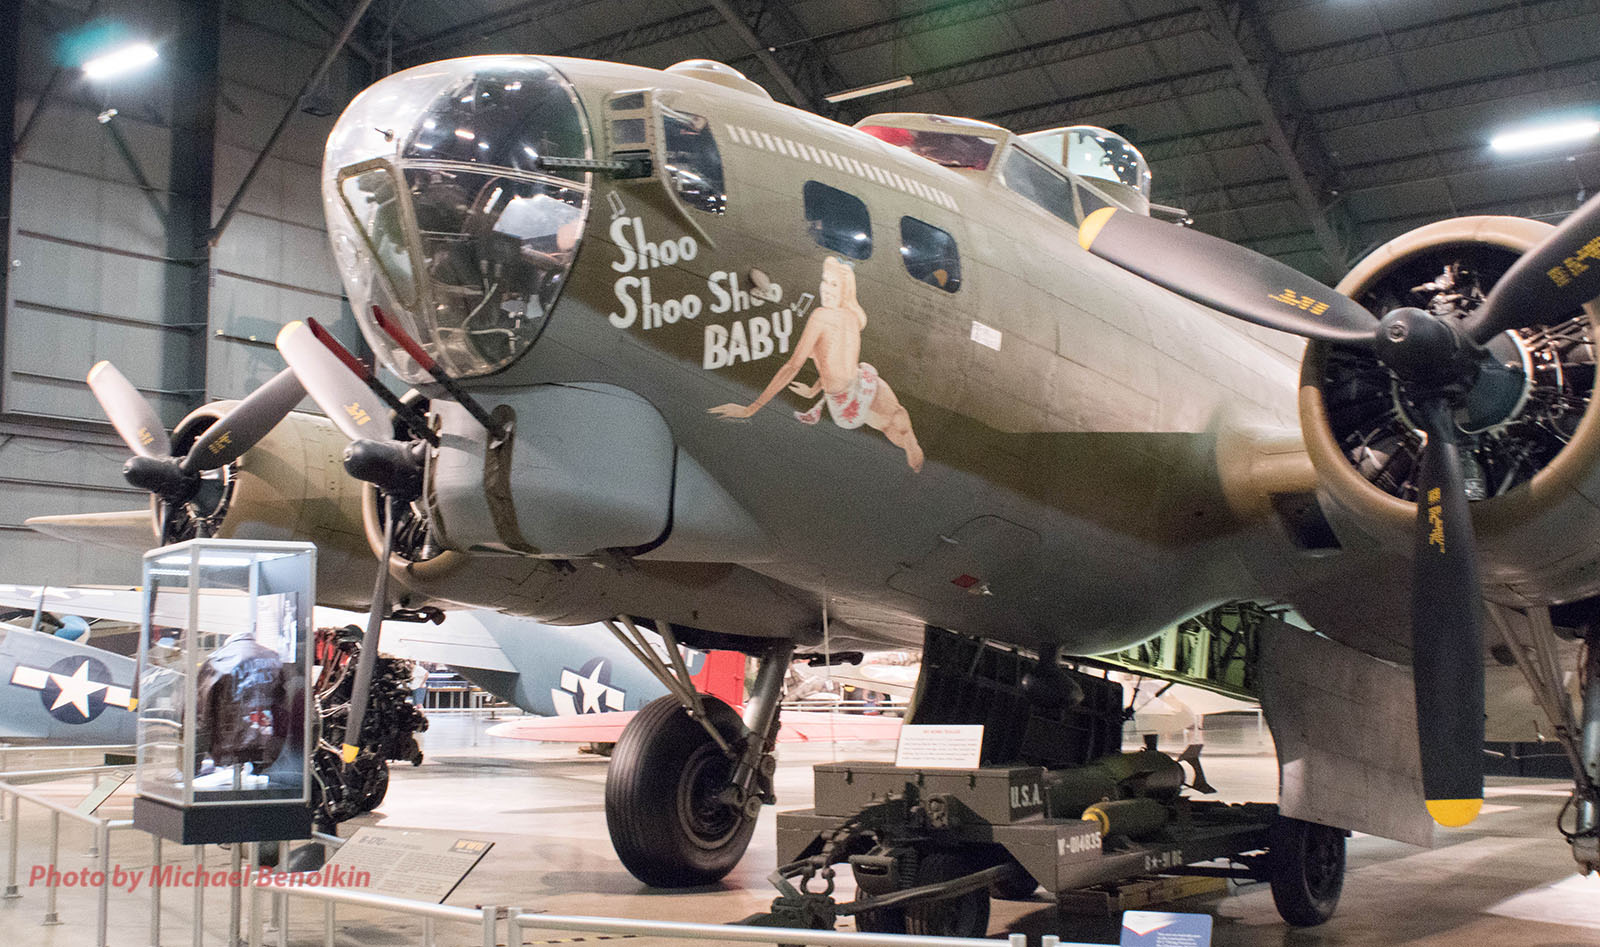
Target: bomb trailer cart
{"type": "Point", "coordinates": [1055, 804]}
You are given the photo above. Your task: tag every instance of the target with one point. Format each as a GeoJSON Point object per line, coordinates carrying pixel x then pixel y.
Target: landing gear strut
{"type": "Point", "coordinates": [689, 777]}
{"type": "Point", "coordinates": [1530, 638]}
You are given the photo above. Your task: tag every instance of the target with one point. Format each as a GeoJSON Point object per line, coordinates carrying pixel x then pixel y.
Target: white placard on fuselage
{"type": "Point", "coordinates": [940, 746]}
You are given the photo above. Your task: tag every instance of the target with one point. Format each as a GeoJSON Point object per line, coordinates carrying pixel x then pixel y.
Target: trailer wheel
{"type": "Point", "coordinates": [965, 915]}
{"type": "Point", "coordinates": [1305, 862]}
{"type": "Point", "coordinates": [1015, 885]}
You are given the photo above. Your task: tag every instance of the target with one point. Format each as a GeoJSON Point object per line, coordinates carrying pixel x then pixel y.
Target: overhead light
{"type": "Point", "coordinates": [866, 90]}
{"type": "Point", "coordinates": [1541, 136]}
{"type": "Point", "coordinates": [119, 61]}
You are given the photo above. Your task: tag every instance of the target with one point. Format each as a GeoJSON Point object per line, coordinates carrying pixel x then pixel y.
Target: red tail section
{"type": "Point", "coordinates": [722, 676]}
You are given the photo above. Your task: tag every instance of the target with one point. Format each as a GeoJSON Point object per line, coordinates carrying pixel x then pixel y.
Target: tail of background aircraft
{"type": "Point", "coordinates": [723, 677]}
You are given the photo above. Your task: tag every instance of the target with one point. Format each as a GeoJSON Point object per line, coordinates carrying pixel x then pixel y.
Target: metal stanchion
{"type": "Point", "coordinates": [327, 924]}
{"type": "Point", "coordinates": [513, 928]}
{"type": "Point", "coordinates": [490, 922]}
{"type": "Point", "coordinates": [428, 933]}
{"type": "Point", "coordinates": [254, 922]}
{"type": "Point", "coordinates": [280, 907]}
{"type": "Point", "coordinates": [155, 890]}
{"type": "Point", "coordinates": [11, 863]}
{"type": "Point", "coordinates": [235, 894]}
{"type": "Point", "coordinates": [103, 908]}
{"type": "Point", "coordinates": [50, 915]}
{"type": "Point", "coordinates": [199, 896]}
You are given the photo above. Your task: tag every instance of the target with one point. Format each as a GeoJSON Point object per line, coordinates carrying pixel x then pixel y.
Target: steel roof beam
{"type": "Point", "coordinates": [1451, 29]}
{"type": "Point", "coordinates": [1572, 73]}
{"type": "Point", "coordinates": [1079, 108]}
{"type": "Point", "coordinates": [1050, 52]}
{"type": "Point", "coordinates": [779, 72]}
{"type": "Point", "coordinates": [1311, 173]}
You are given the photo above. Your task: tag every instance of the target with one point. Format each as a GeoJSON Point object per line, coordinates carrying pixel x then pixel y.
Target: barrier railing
{"type": "Point", "coordinates": [102, 828]}
{"type": "Point", "coordinates": [519, 921]}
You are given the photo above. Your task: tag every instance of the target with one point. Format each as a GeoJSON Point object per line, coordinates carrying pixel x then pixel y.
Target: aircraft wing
{"type": "Point", "coordinates": [127, 530]}
{"type": "Point", "coordinates": [462, 640]}
{"type": "Point", "coordinates": [573, 728]}
{"type": "Point", "coordinates": [64, 692]}
{"type": "Point", "coordinates": [798, 726]}
{"type": "Point", "coordinates": [223, 612]}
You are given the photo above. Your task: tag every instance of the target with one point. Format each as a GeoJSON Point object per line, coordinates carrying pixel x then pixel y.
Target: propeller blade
{"type": "Point", "coordinates": [1447, 628]}
{"type": "Point", "coordinates": [132, 416]}
{"type": "Point", "coordinates": [367, 661]}
{"type": "Point", "coordinates": [353, 407]}
{"type": "Point", "coordinates": [1557, 276]}
{"type": "Point", "coordinates": [248, 422]}
{"type": "Point", "coordinates": [1226, 277]}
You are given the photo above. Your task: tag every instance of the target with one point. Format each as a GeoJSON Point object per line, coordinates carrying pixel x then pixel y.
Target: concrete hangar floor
{"type": "Point", "coordinates": [1506, 881]}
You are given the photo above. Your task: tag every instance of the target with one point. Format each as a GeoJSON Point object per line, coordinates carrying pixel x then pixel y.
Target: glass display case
{"type": "Point", "coordinates": [224, 711]}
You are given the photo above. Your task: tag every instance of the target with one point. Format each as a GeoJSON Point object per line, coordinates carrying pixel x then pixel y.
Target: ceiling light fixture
{"type": "Point", "coordinates": [1541, 136]}
{"type": "Point", "coordinates": [866, 90]}
{"type": "Point", "coordinates": [120, 61]}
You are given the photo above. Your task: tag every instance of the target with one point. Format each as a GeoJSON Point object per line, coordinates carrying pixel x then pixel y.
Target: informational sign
{"type": "Point", "coordinates": [1160, 929]}
{"type": "Point", "coordinates": [940, 746]}
{"type": "Point", "coordinates": [423, 865]}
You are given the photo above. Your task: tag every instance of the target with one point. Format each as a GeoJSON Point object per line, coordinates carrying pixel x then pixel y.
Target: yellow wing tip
{"type": "Point", "coordinates": [349, 753]}
{"type": "Point", "coordinates": [1454, 813]}
{"type": "Point", "coordinates": [1092, 224]}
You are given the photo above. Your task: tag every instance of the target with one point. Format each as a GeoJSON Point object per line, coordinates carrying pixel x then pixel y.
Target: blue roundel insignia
{"type": "Point", "coordinates": [75, 689]}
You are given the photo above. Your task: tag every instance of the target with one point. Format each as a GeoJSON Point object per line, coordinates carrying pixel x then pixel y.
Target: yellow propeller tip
{"type": "Point", "coordinates": [290, 329]}
{"type": "Point", "coordinates": [1092, 224]}
{"type": "Point", "coordinates": [1454, 813]}
{"type": "Point", "coordinates": [349, 753]}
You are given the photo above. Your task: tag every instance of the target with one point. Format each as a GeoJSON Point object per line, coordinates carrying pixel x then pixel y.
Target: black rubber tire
{"type": "Point", "coordinates": [1305, 864]}
{"type": "Point", "coordinates": [1015, 885]}
{"type": "Point", "coordinates": [965, 915]}
{"type": "Point", "coordinates": [664, 823]}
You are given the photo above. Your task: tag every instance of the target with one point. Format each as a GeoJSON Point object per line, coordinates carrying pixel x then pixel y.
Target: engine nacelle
{"type": "Point", "coordinates": [1531, 449]}
{"type": "Point", "coordinates": [290, 486]}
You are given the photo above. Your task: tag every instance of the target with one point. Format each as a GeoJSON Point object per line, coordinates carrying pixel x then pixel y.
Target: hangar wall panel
{"type": "Point", "coordinates": [99, 276]}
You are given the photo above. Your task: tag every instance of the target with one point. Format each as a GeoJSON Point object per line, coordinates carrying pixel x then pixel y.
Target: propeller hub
{"type": "Point", "coordinates": [1427, 354]}
{"type": "Point", "coordinates": [161, 476]}
{"type": "Point", "coordinates": [391, 466]}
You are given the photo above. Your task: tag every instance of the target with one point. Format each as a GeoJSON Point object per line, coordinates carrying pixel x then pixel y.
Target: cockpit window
{"type": "Point", "coordinates": [969, 152]}
{"type": "Point", "coordinates": [930, 254]}
{"type": "Point", "coordinates": [693, 163]}
{"type": "Point", "coordinates": [838, 220]}
{"type": "Point", "coordinates": [1032, 179]}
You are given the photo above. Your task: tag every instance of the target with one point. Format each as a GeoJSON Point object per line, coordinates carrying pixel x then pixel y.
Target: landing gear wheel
{"type": "Point", "coordinates": [1015, 884]}
{"type": "Point", "coordinates": [1305, 863]}
{"type": "Point", "coordinates": [965, 915]}
{"type": "Point", "coordinates": [664, 810]}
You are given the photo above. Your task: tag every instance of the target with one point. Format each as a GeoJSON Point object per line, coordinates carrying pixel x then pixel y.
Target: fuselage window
{"type": "Point", "coordinates": [930, 254]}
{"type": "Point", "coordinates": [838, 220]}
{"type": "Point", "coordinates": [694, 165]}
{"type": "Point", "coordinates": [1032, 179]}
{"type": "Point", "coordinates": [1091, 201]}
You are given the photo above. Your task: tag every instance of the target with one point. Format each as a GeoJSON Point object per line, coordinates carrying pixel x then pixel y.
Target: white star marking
{"type": "Point", "coordinates": [592, 690]}
{"type": "Point", "coordinates": [75, 690]}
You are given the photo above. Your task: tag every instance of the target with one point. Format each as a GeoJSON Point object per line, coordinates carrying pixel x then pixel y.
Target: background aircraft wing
{"type": "Point", "coordinates": [127, 530]}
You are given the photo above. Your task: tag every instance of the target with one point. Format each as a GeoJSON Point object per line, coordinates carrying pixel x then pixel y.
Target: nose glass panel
{"type": "Point", "coordinates": [495, 250]}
